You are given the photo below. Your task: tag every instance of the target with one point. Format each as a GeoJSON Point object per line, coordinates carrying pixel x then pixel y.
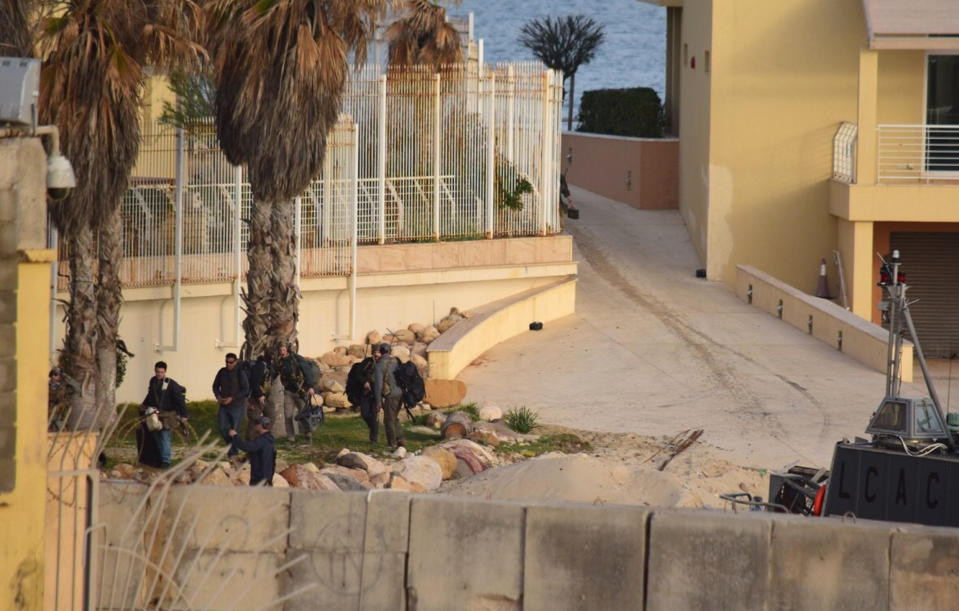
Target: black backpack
{"type": "Point", "coordinates": [409, 379]}
{"type": "Point", "coordinates": [311, 371]}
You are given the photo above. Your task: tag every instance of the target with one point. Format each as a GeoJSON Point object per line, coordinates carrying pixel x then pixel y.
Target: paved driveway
{"type": "Point", "coordinates": [654, 350]}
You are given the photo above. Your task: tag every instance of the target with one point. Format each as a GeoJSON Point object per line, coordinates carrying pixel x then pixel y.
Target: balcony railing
{"type": "Point", "coordinates": [918, 153]}
{"type": "Point", "coordinates": [844, 153]}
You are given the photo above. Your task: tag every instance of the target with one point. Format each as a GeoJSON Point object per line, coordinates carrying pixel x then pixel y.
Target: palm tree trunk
{"type": "Point", "coordinates": [572, 98]}
{"type": "Point", "coordinates": [285, 302]}
{"type": "Point", "coordinates": [109, 299]}
{"type": "Point", "coordinates": [79, 350]}
{"type": "Point", "coordinates": [257, 296]}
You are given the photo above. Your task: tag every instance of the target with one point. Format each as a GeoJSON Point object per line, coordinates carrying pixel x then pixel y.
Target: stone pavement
{"type": "Point", "coordinates": [654, 350]}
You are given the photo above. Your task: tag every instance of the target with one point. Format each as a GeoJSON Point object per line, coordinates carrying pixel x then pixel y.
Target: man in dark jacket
{"type": "Point", "coordinates": [296, 391]}
{"type": "Point", "coordinates": [231, 389]}
{"type": "Point", "coordinates": [388, 394]}
{"type": "Point", "coordinates": [165, 395]}
{"type": "Point", "coordinates": [359, 390]}
{"type": "Point", "coordinates": [257, 372]}
{"type": "Point", "coordinates": [261, 450]}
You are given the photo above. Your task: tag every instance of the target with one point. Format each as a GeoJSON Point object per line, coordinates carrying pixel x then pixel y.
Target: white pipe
{"type": "Point", "coordinates": [52, 242]}
{"type": "Point", "coordinates": [490, 154]}
{"type": "Point", "coordinates": [178, 245]}
{"type": "Point", "coordinates": [381, 163]}
{"type": "Point", "coordinates": [437, 123]}
{"type": "Point", "coordinates": [238, 260]}
{"type": "Point", "coordinates": [297, 230]}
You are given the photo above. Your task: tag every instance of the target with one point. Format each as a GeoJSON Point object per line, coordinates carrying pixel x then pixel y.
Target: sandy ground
{"type": "Point", "coordinates": [652, 351]}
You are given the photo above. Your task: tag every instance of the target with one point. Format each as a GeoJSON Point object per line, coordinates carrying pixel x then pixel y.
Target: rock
{"type": "Point", "coordinates": [406, 336]}
{"type": "Point", "coordinates": [419, 349]}
{"type": "Point", "coordinates": [467, 458]}
{"type": "Point", "coordinates": [421, 363]}
{"type": "Point", "coordinates": [359, 475]}
{"type": "Point", "coordinates": [444, 393]}
{"type": "Point", "coordinates": [484, 436]}
{"type": "Point", "coordinates": [242, 476]}
{"type": "Point", "coordinates": [429, 334]}
{"type": "Point", "coordinates": [333, 359]}
{"type": "Point", "coordinates": [444, 458]}
{"type": "Point", "coordinates": [484, 455]}
{"type": "Point", "coordinates": [323, 367]}
{"type": "Point", "coordinates": [311, 467]}
{"type": "Point", "coordinates": [435, 420]}
{"type": "Point", "coordinates": [183, 478]}
{"type": "Point", "coordinates": [343, 482]}
{"type": "Point", "coordinates": [447, 323]}
{"type": "Point", "coordinates": [218, 477]}
{"type": "Point", "coordinates": [279, 482]}
{"type": "Point", "coordinates": [399, 452]}
{"type": "Point", "coordinates": [380, 480]}
{"type": "Point", "coordinates": [464, 470]}
{"type": "Point", "coordinates": [420, 470]}
{"type": "Point", "coordinates": [123, 471]}
{"type": "Point", "coordinates": [339, 350]}
{"type": "Point", "coordinates": [373, 337]}
{"type": "Point", "coordinates": [331, 384]}
{"type": "Point", "coordinates": [401, 352]}
{"type": "Point", "coordinates": [336, 399]}
{"type": "Point", "coordinates": [343, 452]}
{"type": "Point", "coordinates": [490, 413]}
{"type": "Point", "coordinates": [416, 328]}
{"type": "Point", "coordinates": [329, 410]}
{"type": "Point", "coordinates": [358, 460]}
{"type": "Point", "coordinates": [299, 476]}
{"type": "Point", "coordinates": [357, 351]}
{"type": "Point", "coordinates": [457, 424]}
{"type": "Point", "coordinates": [397, 482]}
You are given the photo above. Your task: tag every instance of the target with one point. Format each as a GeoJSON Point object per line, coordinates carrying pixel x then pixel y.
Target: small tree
{"type": "Point", "coordinates": [564, 44]}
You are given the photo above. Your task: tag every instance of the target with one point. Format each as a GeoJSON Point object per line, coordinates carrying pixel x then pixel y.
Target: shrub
{"type": "Point", "coordinates": [521, 420]}
{"type": "Point", "coordinates": [636, 112]}
{"type": "Point", "coordinates": [471, 409]}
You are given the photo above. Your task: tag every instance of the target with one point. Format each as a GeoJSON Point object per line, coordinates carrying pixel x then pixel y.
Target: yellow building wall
{"type": "Point", "coordinates": [900, 94]}
{"type": "Point", "coordinates": [694, 170]}
{"type": "Point", "coordinates": [784, 75]}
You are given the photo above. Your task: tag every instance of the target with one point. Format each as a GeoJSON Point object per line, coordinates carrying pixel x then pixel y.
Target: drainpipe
{"type": "Point", "coordinates": [52, 242]}
{"type": "Point", "coordinates": [178, 247]}
{"type": "Point", "coordinates": [238, 259]}
{"type": "Point", "coordinates": [355, 237]}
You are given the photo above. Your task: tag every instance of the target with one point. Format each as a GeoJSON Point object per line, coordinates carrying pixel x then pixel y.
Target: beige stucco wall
{"type": "Point", "coordinates": [641, 172]}
{"type": "Point", "coordinates": [397, 285]}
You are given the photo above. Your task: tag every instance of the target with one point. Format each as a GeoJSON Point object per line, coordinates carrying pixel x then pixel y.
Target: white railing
{"type": "Point", "coordinates": [844, 153]}
{"type": "Point", "coordinates": [918, 153]}
{"type": "Point", "coordinates": [424, 156]}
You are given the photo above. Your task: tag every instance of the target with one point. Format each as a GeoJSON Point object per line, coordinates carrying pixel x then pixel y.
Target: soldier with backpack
{"type": "Point", "coordinates": [388, 393]}
{"type": "Point", "coordinates": [359, 390]}
{"type": "Point", "coordinates": [298, 381]}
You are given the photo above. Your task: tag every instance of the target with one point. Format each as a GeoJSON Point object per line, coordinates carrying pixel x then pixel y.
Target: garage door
{"type": "Point", "coordinates": [931, 264]}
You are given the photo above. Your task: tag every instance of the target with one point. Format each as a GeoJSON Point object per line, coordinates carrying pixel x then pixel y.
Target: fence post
{"type": "Point", "coordinates": [354, 236]}
{"type": "Point", "coordinates": [297, 233]}
{"type": "Point", "coordinates": [178, 233]}
{"type": "Point", "coordinates": [547, 140]}
{"type": "Point", "coordinates": [437, 122]}
{"type": "Point", "coordinates": [510, 99]}
{"type": "Point", "coordinates": [490, 153]}
{"type": "Point", "coordinates": [381, 164]}
{"type": "Point", "coordinates": [238, 246]}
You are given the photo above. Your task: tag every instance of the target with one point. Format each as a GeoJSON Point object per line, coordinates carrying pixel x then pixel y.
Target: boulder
{"type": "Point", "coordinates": [331, 384]}
{"type": "Point", "coordinates": [420, 470]}
{"type": "Point", "coordinates": [399, 452]}
{"type": "Point", "coordinates": [444, 458]}
{"type": "Point", "coordinates": [419, 349]}
{"type": "Point", "coordinates": [339, 350]}
{"type": "Point", "coordinates": [490, 413]}
{"type": "Point", "coordinates": [241, 477]}
{"type": "Point", "coordinates": [218, 477]}
{"type": "Point", "coordinates": [373, 337]}
{"type": "Point", "coordinates": [444, 393]}
{"type": "Point", "coordinates": [344, 482]}
{"type": "Point", "coordinates": [416, 328]}
{"type": "Point", "coordinates": [357, 351]}
{"type": "Point", "coordinates": [311, 467]}
{"type": "Point", "coordinates": [447, 322]}
{"type": "Point", "coordinates": [429, 334]}
{"type": "Point", "coordinates": [355, 475]}
{"type": "Point", "coordinates": [122, 471]}
{"type": "Point", "coordinates": [484, 436]}
{"type": "Point", "coordinates": [299, 476]}
{"type": "Point", "coordinates": [397, 482]}
{"type": "Point", "coordinates": [421, 364]}
{"type": "Point", "coordinates": [336, 399]}
{"type": "Point", "coordinates": [329, 410]}
{"type": "Point", "coordinates": [484, 455]}
{"type": "Point", "coordinates": [464, 470]}
{"type": "Point", "coordinates": [358, 460]}
{"type": "Point", "coordinates": [401, 352]}
{"type": "Point", "coordinates": [405, 335]}
{"type": "Point", "coordinates": [457, 424]}
{"type": "Point", "coordinates": [467, 458]}
{"type": "Point", "coordinates": [333, 359]}
{"type": "Point", "coordinates": [279, 482]}
{"type": "Point", "coordinates": [435, 419]}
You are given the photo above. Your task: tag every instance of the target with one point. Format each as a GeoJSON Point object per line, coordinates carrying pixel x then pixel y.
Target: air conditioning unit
{"type": "Point", "coordinates": [19, 90]}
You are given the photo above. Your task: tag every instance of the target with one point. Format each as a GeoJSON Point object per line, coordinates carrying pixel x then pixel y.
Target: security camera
{"type": "Point", "coordinates": [60, 177]}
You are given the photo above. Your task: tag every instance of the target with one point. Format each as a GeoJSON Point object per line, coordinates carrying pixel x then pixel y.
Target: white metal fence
{"type": "Point", "coordinates": [918, 152]}
{"type": "Point", "coordinates": [844, 153]}
{"type": "Point", "coordinates": [418, 156]}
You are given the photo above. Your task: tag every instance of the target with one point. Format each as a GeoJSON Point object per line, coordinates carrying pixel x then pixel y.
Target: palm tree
{"type": "Point", "coordinates": [564, 44]}
{"type": "Point", "coordinates": [94, 53]}
{"type": "Point", "coordinates": [280, 67]}
{"type": "Point", "coordinates": [423, 36]}
{"type": "Point", "coordinates": [16, 36]}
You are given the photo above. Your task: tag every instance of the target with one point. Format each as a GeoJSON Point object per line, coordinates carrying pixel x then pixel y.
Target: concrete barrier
{"type": "Point", "coordinates": [250, 548]}
{"type": "Point", "coordinates": [821, 318]}
{"type": "Point", "coordinates": [496, 322]}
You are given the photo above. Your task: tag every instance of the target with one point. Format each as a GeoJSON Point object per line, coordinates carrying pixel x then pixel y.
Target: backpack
{"type": "Point", "coordinates": [408, 378]}
{"type": "Point", "coordinates": [311, 371]}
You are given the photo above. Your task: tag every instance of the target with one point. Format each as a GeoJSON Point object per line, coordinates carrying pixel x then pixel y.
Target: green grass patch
{"type": "Point", "coordinates": [469, 408]}
{"type": "Point", "coordinates": [522, 420]}
{"type": "Point", "coordinates": [567, 443]}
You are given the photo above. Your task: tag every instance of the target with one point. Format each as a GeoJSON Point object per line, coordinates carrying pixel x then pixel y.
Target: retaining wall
{"type": "Point", "coordinates": [861, 339]}
{"type": "Point", "coordinates": [392, 550]}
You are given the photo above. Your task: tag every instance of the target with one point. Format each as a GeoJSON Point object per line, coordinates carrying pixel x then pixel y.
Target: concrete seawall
{"type": "Point", "coordinates": [244, 548]}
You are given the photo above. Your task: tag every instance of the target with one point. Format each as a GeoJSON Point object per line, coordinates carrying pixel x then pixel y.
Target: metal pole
{"type": "Point", "coordinates": [237, 250]}
{"type": "Point", "coordinates": [355, 237]}
{"type": "Point", "coordinates": [297, 230]}
{"type": "Point", "coordinates": [490, 154]}
{"type": "Point", "coordinates": [381, 163]}
{"type": "Point", "coordinates": [922, 365]}
{"type": "Point", "coordinates": [53, 242]}
{"type": "Point", "coordinates": [510, 100]}
{"type": "Point", "coordinates": [545, 191]}
{"type": "Point", "coordinates": [437, 107]}
{"type": "Point", "coordinates": [178, 284]}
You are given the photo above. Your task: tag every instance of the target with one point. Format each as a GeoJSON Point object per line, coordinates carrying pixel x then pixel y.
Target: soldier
{"type": "Point", "coordinates": [388, 394]}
